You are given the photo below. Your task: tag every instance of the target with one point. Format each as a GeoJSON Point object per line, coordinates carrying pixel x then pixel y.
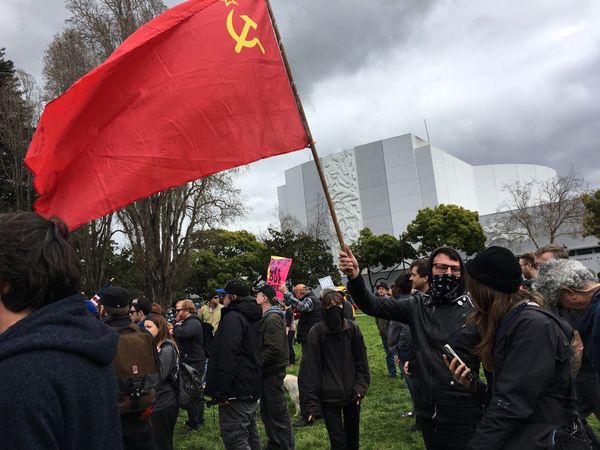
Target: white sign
{"type": "Point", "coordinates": [326, 283]}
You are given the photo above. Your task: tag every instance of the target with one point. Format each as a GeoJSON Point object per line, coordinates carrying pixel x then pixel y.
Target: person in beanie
{"type": "Point", "coordinates": [57, 384]}
{"type": "Point", "coordinates": [446, 413]}
{"type": "Point", "coordinates": [233, 377]}
{"type": "Point", "coordinates": [527, 348]}
{"type": "Point", "coordinates": [274, 357]}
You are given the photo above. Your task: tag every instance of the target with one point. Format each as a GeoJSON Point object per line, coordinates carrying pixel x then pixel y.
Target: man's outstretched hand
{"type": "Point", "coordinates": [348, 263]}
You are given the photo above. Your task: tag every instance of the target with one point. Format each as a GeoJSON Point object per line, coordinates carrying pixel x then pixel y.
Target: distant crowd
{"type": "Point", "coordinates": [498, 352]}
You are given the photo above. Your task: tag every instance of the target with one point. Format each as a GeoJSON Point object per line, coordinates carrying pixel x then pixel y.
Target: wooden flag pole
{"type": "Point", "coordinates": [311, 142]}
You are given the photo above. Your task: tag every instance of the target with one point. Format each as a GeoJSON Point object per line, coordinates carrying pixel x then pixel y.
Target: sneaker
{"type": "Point", "coordinates": [302, 422]}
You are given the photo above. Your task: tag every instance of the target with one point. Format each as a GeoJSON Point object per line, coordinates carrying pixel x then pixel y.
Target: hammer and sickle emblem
{"type": "Point", "coordinates": [241, 38]}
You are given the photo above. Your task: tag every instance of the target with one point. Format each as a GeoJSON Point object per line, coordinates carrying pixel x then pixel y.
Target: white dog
{"type": "Point", "coordinates": [290, 383]}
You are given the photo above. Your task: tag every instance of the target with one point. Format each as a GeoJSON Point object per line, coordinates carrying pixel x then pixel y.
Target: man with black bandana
{"type": "Point", "coordinates": [446, 414]}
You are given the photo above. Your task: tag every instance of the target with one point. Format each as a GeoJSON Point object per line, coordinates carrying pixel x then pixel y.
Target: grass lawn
{"type": "Point", "coordinates": [382, 426]}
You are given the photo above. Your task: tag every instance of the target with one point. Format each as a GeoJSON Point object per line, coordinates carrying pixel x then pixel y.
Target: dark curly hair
{"type": "Point", "coordinates": [37, 264]}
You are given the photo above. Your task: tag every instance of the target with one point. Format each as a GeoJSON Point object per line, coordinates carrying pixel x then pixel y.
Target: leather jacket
{"type": "Point", "coordinates": [432, 324]}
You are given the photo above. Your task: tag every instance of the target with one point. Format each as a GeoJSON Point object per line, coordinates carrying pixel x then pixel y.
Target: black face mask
{"type": "Point", "coordinates": [334, 318]}
{"type": "Point", "coordinates": [445, 287]}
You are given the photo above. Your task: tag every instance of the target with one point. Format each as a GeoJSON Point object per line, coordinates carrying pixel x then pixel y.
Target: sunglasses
{"type": "Point", "coordinates": [181, 309]}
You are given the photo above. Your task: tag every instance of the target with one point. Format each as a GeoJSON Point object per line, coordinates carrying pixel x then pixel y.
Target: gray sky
{"type": "Point", "coordinates": [498, 82]}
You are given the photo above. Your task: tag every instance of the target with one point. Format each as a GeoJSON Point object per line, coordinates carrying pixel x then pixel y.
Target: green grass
{"type": "Point", "coordinates": [382, 426]}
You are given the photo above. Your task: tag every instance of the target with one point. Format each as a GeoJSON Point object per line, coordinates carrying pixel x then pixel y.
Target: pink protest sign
{"type": "Point", "coordinates": [277, 272]}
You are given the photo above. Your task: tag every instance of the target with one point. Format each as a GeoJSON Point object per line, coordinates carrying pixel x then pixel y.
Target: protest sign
{"type": "Point", "coordinates": [326, 282]}
{"type": "Point", "coordinates": [277, 273]}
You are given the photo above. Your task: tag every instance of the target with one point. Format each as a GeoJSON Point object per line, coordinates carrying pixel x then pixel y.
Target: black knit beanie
{"type": "Point", "coordinates": [497, 268]}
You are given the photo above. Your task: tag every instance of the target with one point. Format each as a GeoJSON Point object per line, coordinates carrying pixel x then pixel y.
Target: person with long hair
{"type": "Point", "coordinates": [338, 372]}
{"type": "Point", "coordinates": [528, 351]}
{"type": "Point", "coordinates": [166, 408]}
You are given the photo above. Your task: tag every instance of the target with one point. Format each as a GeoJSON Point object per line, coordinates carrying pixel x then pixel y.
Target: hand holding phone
{"type": "Point", "coordinates": [458, 372]}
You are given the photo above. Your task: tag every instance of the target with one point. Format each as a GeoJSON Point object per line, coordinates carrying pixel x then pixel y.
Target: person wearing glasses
{"type": "Point", "coordinates": [140, 310]}
{"type": "Point", "coordinates": [211, 312]}
{"type": "Point", "coordinates": [189, 336]}
{"type": "Point", "coordinates": [446, 413]}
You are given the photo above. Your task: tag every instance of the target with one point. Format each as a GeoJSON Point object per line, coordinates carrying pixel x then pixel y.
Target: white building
{"type": "Point", "coordinates": [382, 185]}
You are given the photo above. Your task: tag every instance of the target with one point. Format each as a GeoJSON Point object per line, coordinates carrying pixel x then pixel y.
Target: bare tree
{"type": "Point", "coordinates": [544, 211]}
{"type": "Point", "coordinates": [93, 242]}
{"type": "Point", "coordinates": [161, 229]}
{"type": "Point", "coordinates": [93, 31]}
{"type": "Point", "coordinates": [320, 223]}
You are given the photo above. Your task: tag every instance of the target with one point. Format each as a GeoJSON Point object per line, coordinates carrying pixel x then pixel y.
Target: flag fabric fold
{"type": "Point", "coordinates": [197, 90]}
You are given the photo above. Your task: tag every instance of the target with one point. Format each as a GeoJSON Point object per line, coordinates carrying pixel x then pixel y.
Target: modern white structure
{"type": "Point", "coordinates": [382, 185]}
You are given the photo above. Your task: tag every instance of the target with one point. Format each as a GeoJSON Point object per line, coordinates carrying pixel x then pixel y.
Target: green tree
{"type": "Point", "coordinates": [223, 255]}
{"type": "Point", "coordinates": [311, 256]}
{"type": "Point", "coordinates": [19, 106]}
{"type": "Point", "coordinates": [445, 225]}
{"type": "Point", "coordinates": [378, 253]}
{"type": "Point", "coordinates": [591, 220]}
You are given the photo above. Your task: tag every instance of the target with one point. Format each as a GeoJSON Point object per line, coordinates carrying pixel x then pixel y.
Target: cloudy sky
{"type": "Point", "coordinates": [498, 82]}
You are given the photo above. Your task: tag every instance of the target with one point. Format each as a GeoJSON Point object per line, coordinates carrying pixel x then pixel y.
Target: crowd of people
{"type": "Point", "coordinates": [498, 352]}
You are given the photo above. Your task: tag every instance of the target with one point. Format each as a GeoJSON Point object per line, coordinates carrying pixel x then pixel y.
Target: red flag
{"type": "Point", "coordinates": [199, 89]}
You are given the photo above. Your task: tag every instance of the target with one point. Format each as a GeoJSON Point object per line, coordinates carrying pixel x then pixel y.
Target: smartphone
{"type": "Point", "coordinates": [453, 354]}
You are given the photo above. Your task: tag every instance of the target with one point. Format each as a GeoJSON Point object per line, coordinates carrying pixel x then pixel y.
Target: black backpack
{"type": "Point", "coordinates": [136, 368]}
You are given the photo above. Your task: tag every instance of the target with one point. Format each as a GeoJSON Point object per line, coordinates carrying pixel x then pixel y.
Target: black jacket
{"type": "Point", "coordinates": [274, 350]}
{"type": "Point", "coordinates": [234, 369]}
{"type": "Point", "coordinates": [531, 378]}
{"type": "Point", "coordinates": [309, 318]}
{"type": "Point", "coordinates": [432, 324]}
{"type": "Point", "coordinates": [189, 338]}
{"type": "Point", "coordinates": [57, 384]}
{"type": "Point", "coordinates": [337, 368]}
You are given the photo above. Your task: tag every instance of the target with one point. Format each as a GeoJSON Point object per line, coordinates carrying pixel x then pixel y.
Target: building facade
{"type": "Point", "coordinates": [382, 185]}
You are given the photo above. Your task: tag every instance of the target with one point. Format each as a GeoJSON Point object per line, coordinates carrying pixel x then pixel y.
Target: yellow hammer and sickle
{"type": "Point", "coordinates": [241, 38]}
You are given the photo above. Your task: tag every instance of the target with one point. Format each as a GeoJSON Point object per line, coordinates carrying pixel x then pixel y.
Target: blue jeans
{"type": "Point", "coordinates": [389, 358]}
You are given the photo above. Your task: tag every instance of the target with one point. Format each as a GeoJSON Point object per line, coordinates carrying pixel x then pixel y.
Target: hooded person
{"type": "Point", "coordinates": [58, 387]}
{"type": "Point", "coordinates": [234, 373]}
{"type": "Point", "coordinates": [446, 413]}
{"type": "Point", "coordinates": [338, 373]}
{"type": "Point", "coordinates": [528, 348]}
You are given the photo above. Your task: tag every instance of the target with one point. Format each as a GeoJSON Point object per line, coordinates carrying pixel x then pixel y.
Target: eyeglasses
{"type": "Point", "coordinates": [181, 309]}
{"type": "Point", "coordinates": [132, 311]}
{"type": "Point", "coordinates": [443, 268]}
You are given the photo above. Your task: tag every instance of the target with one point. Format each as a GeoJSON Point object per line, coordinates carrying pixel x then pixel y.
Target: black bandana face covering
{"type": "Point", "coordinates": [444, 287]}
{"type": "Point", "coordinates": [334, 318]}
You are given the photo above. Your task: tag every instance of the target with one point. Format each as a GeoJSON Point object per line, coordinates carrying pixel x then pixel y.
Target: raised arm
{"type": "Point", "coordinates": [385, 308]}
